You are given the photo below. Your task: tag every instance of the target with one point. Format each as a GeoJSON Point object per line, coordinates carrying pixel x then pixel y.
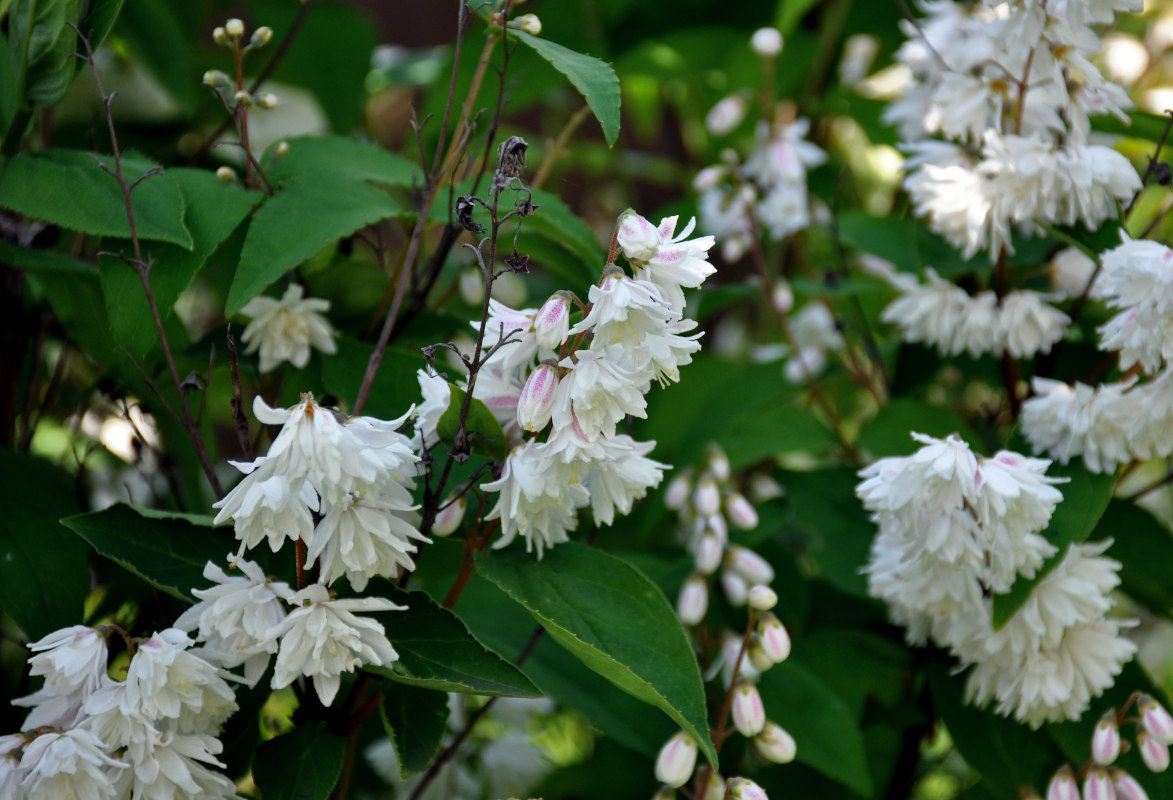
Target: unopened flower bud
{"type": "Point", "coordinates": [1126, 786]}
{"type": "Point", "coordinates": [714, 787]}
{"type": "Point", "coordinates": [449, 517]}
{"type": "Point", "coordinates": [216, 79]}
{"type": "Point", "coordinates": [762, 597]}
{"type": "Point", "coordinates": [1106, 740]}
{"type": "Point", "coordinates": [676, 495]}
{"type": "Point", "coordinates": [730, 649]}
{"type": "Point", "coordinates": [774, 638]}
{"type": "Point", "coordinates": [472, 286]}
{"type": "Point", "coordinates": [735, 588]}
{"type": "Point", "coordinates": [1156, 719]}
{"type": "Point", "coordinates": [1098, 786]}
{"type": "Point", "coordinates": [529, 23]}
{"type": "Point", "coordinates": [749, 565]}
{"type": "Point", "coordinates": [782, 297]}
{"type": "Point", "coordinates": [709, 549]}
{"type": "Point", "coordinates": [281, 149]}
{"type": "Point", "coordinates": [741, 512]}
{"type": "Point", "coordinates": [219, 35]}
{"type": "Point", "coordinates": [1153, 752]}
{"type": "Point", "coordinates": [234, 28]}
{"type": "Point", "coordinates": [708, 178]}
{"type": "Point", "coordinates": [762, 487]}
{"type": "Point", "coordinates": [745, 789]}
{"type": "Point", "coordinates": [693, 601]}
{"type": "Point", "coordinates": [775, 744]}
{"type": "Point", "coordinates": [706, 499]}
{"type": "Point", "coordinates": [766, 42]}
{"type": "Point", "coordinates": [717, 462]}
{"type": "Point", "coordinates": [749, 715]}
{"type": "Point", "coordinates": [676, 761]}
{"type": "Point", "coordinates": [226, 174]}
{"type": "Point", "coordinates": [757, 656]}
{"type": "Point", "coordinates": [267, 100]}
{"type": "Point", "coordinates": [1062, 785]}
{"type": "Point", "coordinates": [261, 36]}
{"type": "Point", "coordinates": [716, 523]}
{"type": "Point", "coordinates": [242, 98]}
{"type": "Point", "coordinates": [552, 322]}
{"type": "Point", "coordinates": [537, 398]}
{"type": "Point", "coordinates": [726, 115]}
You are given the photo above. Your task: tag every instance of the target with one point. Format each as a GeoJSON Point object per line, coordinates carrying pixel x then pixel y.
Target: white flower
{"type": "Point", "coordinates": [73, 662]}
{"type": "Point", "coordinates": [728, 215]}
{"type": "Point", "coordinates": [597, 393]}
{"type": "Point", "coordinates": [1137, 278]}
{"type": "Point", "coordinates": [941, 314]}
{"type": "Point", "coordinates": [623, 311]}
{"type": "Point", "coordinates": [268, 505]}
{"type": "Point", "coordinates": [1071, 272]}
{"type": "Point", "coordinates": [234, 618]}
{"type": "Point", "coordinates": [437, 394]}
{"type": "Point", "coordinates": [1066, 421]}
{"type": "Point", "coordinates": [516, 329]}
{"type": "Point", "coordinates": [539, 498]}
{"type": "Point", "coordinates": [176, 768]}
{"type": "Point", "coordinates": [621, 477]}
{"type": "Point", "coordinates": [322, 638]}
{"type": "Point", "coordinates": [500, 390]}
{"type": "Point", "coordinates": [1030, 326]}
{"type": "Point", "coordinates": [726, 115]}
{"type": "Point", "coordinates": [671, 261]}
{"type": "Point", "coordinates": [73, 764]}
{"type": "Point", "coordinates": [783, 155]}
{"type": "Point", "coordinates": [285, 329]}
{"type": "Point", "coordinates": [165, 681]}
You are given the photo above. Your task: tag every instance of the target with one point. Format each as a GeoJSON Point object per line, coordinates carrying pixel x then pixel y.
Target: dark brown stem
{"type": "Point", "coordinates": [238, 414]}
{"type": "Point", "coordinates": [300, 555]}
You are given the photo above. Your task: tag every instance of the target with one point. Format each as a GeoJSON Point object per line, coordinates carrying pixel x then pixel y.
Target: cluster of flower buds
{"type": "Point", "coordinates": [1101, 779]}
{"type": "Point", "coordinates": [231, 35]}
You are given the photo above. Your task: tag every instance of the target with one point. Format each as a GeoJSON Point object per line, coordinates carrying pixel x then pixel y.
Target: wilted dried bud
{"type": "Point", "coordinates": [242, 98]}
{"type": "Point", "coordinates": [267, 100]}
{"type": "Point", "coordinates": [749, 715]}
{"type": "Point", "coordinates": [774, 638]}
{"type": "Point", "coordinates": [1126, 786]}
{"type": "Point", "coordinates": [706, 499]}
{"type": "Point", "coordinates": [529, 23]}
{"type": "Point", "coordinates": [510, 162]}
{"type": "Point", "coordinates": [226, 174]}
{"type": "Point", "coordinates": [450, 515]}
{"type": "Point", "coordinates": [762, 597]}
{"type": "Point", "coordinates": [709, 549]}
{"type": "Point", "coordinates": [1153, 751]}
{"type": "Point", "coordinates": [537, 398]}
{"type": "Point", "coordinates": [261, 36]}
{"type": "Point", "coordinates": [676, 761]}
{"type": "Point", "coordinates": [741, 512]}
{"type": "Point", "coordinates": [217, 79]}
{"type": "Point", "coordinates": [1062, 785]}
{"type": "Point", "coordinates": [745, 789]}
{"type": "Point", "coordinates": [775, 744]}
{"type": "Point", "coordinates": [766, 42]}
{"type": "Point", "coordinates": [693, 601]}
{"type": "Point", "coordinates": [234, 28]}
{"type": "Point", "coordinates": [1098, 786]}
{"type": "Point", "coordinates": [1106, 739]}
{"type": "Point", "coordinates": [552, 322]}
{"type": "Point", "coordinates": [735, 588]}
{"type": "Point", "coordinates": [219, 35]}
{"type": "Point", "coordinates": [749, 565]}
{"type": "Point", "coordinates": [1156, 719]}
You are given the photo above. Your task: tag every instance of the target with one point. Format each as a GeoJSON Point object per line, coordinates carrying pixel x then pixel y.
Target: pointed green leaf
{"type": "Point", "coordinates": [415, 719]}
{"type": "Point", "coordinates": [594, 79]}
{"type": "Point", "coordinates": [304, 764]}
{"type": "Point", "coordinates": [615, 620]}
{"type": "Point", "coordinates": [345, 157]}
{"type": "Point", "coordinates": [42, 42]}
{"type": "Point", "coordinates": [485, 432]}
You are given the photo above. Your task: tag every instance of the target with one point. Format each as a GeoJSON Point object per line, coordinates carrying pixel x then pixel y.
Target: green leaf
{"type": "Point", "coordinates": [888, 432]}
{"type": "Point", "coordinates": [304, 764]}
{"type": "Point", "coordinates": [156, 37]}
{"type": "Point", "coordinates": [42, 44]}
{"type": "Point", "coordinates": [1144, 548]}
{"type": "Point", "coordinates": [306, 215]}
{"type": "Point", "coordinates": [907, 244]}
{"type": "Point", "coordinates": [45, 261]}
{"type": "Point", "coordinates": [97, 21]}
{"type": "Point", "coordinates": [43, 575]}
{"type": "Point", "coordinates": [395, 383]}
{"type": "Point", "coordinates": [766, 431]}
{"type": "Point", "coordinates": [483, 429]}
{"type": "Point", "coordinates": [213, 209]}
{"type": "Point", "coordinates": [828, 735]}
{"type": "Point", "coordinates": [436, 651]}
{"type": "Point", "coordinates": [341, 156]}
{"type": "Point", "coordinates": [556, 222]}
{"type": "Point", "coordinates": [415, 720]}
{"type": "Point", "coordinates": [614, 620]}
{"type": "Point", "coordinates": [594, 79]}
{"type": "Point", "coordinates": [1085, 498]}
{"type": "Point", "coordinates": [166, 550]}
{"type": "Point", "coordinates": [48, 185]}
{"type": "Point", "coordinates": [838, 532]}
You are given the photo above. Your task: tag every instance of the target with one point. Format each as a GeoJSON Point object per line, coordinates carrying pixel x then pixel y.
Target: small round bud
{"type": "Point", "coordinates": [706, 499]}
{"type": "Point", "coordinates": [1126, 786]}
{"type": "Point", "coordinates": [676, 495]}
{"type": "Point", "coordinates": [676, 761]}
{"type": "Point", "coordinates": [774, 638]}
{"type": "Point", "coordinates": [1106, 740]}
{"type": "Point", "coordinates": [766, 42]}
{"type": "Point", "coordinates": [762, 597]}
{"type": "Point", "coordinates": [234, 28]}
{"type": "Point", "coordinates": [281, 149]}
{"type": "Point", "coordinates": [1062, 785]}
{"type": "Point", "coordinates": [745, 789]}
{"type": "Point", "coordinates": [267, 100]}
{"type": "Point", "coordinates": [552, 322]}
{"type": "Point", "coordinates": [693, 601]}
{"type": "Point", "coordinates": [741, 512]}
{"type": "Point", "coordinates": [216, 79]}
{"type": "Point", "coordinates": [219, 35]}
{"type": "Point", "coordinates": [1153, 752]}
{"type": "Point", "coordinates": [717, 462]}
{"type": "Point", "coordinates": [529, 23]}
{"type": "Point", "coordinates": [242, 98]}
{"type": "Point", "coordinates": [472, 286]}
{"type": "Point", "coordinates": [757, 656]}
{"type": "Point", "coordinates": [449, 517]}
{"type": "Point", "coordinates": [708, 178]}
{"type": "Point", "coordinates": [261, 36]}
{"type": "Point", "coordinates": [1156, 719]}
{"type": "Point", "coordinates": [536, 403]}
{"type": "Point", "coordinates": [782, 297]}
{"type": "Point", "coordinates": [226, 174]}
{"type": "Point", "coordinates": [709, 549]}
{"type": "Point", "coordinates": [726, 115]}
{"type": "Point", "coordinates": [735, 588]}
{"type": "Point", "coordinates": [714, 787]}
{"type": "Point", "coordinates": [749, 715]}
{"type": "Point", "coordinates": [1098, 786]}
{"type": "Point", "coordinates": [749, 565]}
{"type": "Point", "coordinates": [775, 744]}
{"type": "Point", "coordinates": [763, 488]}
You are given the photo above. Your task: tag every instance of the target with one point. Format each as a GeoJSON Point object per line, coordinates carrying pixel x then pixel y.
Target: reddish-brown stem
{"type": "Point", "coordinates": [719, 733]}
{"type": "Point", "coordinates": [241, 112]}
{"type": "Point", "coordinates": [300, 555]}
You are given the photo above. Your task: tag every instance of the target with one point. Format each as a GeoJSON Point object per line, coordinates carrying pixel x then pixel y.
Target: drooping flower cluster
{"type": "Point", "coordinates": [578, 382]}
{"type": "Point", "coordinates": [286, 329]}
{"type": "Point", "coordinates": [956, 529]}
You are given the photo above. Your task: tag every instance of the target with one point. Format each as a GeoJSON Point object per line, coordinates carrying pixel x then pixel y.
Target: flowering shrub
{"type": "Point", "coordinates": [773, 405]}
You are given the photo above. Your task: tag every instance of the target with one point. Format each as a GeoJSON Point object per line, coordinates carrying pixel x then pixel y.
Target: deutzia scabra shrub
{"type": "Point", "coordinates": [616, 401]}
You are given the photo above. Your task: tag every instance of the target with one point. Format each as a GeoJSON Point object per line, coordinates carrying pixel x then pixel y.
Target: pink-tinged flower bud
{"type": "Point", "coordinates": [637, 237]}
{"type": "Point", "coordinates": [774, 638]}
{"type": "Point", "coordinates": [706, 498]}
{"type": "Point", "coordinates": [775, 744]}
{"type": "Point", "coordinates": [679, 488]}
{"type": "Point", "coordinates": [552, 322]}
{"type": "Point", "coordinates": [766, 42]}
{"type": "Point", "coordinates": [782, 298]}
{"type": "Point", "coordinates": [709, 550]}
{"type": "Point", "coordinates": [1156, 719]}
{"type": "Point", "coordinates": [735, 588]}
{"type": "Point", "coordinates": [749, 565]}
{"type": "Point", "coordinates": [449, 517]}
{"type": "Point", "coordinates": [1106, 740]}
{"type": "Point", "coordinates": [1153, 752]}
{"type": "Point", "coordinates": [676, 761]}
{"type": "Point", "coordinates": [757, 656]}
{"type": "Point", "coordinates": [741, 512]}
{"type": "Point", "coordinates": [1062, 785]}
{"type": "Point", "coordinates": [749, 715]}
{"type": "Point", "coordinates": [693, 601]}
{"type": "Point", "coordinates": [714, 787]}
{"type": "Point", "coordinates": [762, 597]}
{"type": "Point", "coordinates": [716, 523]}
{"type": "Point", "coordinates": [745, 789]}
{"type": "Point", "coordinates": [730, 648]}
{"type": "Point", "coordinates": [1127, 787]}
{"type": "Point", "coordinates": [717, 463]}
{"type": "Point", "coordinates": [1098, 786]}
{"type": "Point", "coordinates": [708, 178]}
{"type": "Point", "coordinates": [537, 398]}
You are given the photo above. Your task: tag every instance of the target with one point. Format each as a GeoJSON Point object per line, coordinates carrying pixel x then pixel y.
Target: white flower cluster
{"type": "Point", "coordinates": [286, 329]}
{"type": "Point", "coordinates": [541, 378]}
{"type": "Point", "coordinates": [955, 529]}
{"type": "Point", "coordinates": [1011, 85]}
{"type": "Point", "coordinates": [1115, 422]}
{"type": "Point", "coordinates": [151, 736]}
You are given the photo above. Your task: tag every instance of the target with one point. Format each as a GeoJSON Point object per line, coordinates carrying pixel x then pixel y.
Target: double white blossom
{"type": "Point", "coordinates": [286, 329]}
